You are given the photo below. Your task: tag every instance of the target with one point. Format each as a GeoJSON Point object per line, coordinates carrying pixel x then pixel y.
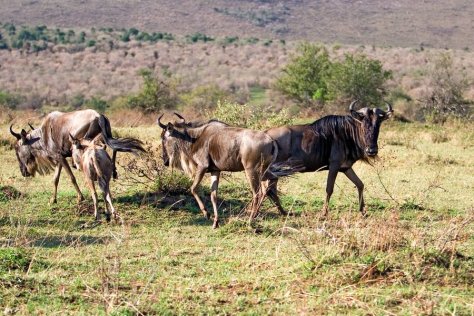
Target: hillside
{"type": "Point", "coordinates": [396, 23]}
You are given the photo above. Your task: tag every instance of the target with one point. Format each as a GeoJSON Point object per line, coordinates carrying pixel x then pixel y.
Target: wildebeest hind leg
{"type": "Point", "coordinates": [257, 196]}
{"type": "Point", "coordinates": [57, 174]}
{"type": "Point", "coordinates": [66, 167]}
{"type": "Point", "coordinates": [270, 187]}
{"type": "Point", "coordinates": [197, 179]}
{"type": "Point", "coordinates": [214, 186]}
{"type": "Point", "coordinates": [360, 188]}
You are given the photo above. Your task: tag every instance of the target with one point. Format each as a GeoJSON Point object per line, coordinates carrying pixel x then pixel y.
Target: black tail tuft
{"type": "Point", "coordinates": [287, 168]}
{"type": "Point", "coordinates": [131, 145]}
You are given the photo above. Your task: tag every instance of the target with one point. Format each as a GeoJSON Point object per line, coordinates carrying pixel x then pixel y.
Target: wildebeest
{"type": "Point", "coordinates": [46, 148]}
{"type": "Point", "coordinates": [92, 159]}
{"type": "Point", "coordinates": [214, 147]}
{"type": "Point", "coordinates": [332, 143]}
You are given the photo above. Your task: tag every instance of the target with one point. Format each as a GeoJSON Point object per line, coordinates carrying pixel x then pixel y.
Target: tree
{"type": "Point", "coordinates": [311, 76]}
{"type": "Point", "coordinates": [155, 94]}
{"type": "Point", "coordinates": [303, 78]}
{"type": "Point", "coordinates": [357, 78]}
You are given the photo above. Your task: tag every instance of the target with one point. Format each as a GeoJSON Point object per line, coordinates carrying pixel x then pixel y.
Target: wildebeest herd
{"type": "Point", "coordinates": [332, 143]}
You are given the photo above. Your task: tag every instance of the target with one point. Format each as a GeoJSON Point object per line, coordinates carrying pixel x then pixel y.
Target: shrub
{"type": "Point", "coordinates": [14, 259]}
{"type": "Point", "coordinates": [447, 88]}
{"type": "Point", "coordinates": [9, 100]}
{"type": "Point", "coordinates": [357, 78]}
{"type": "Point", "coordinates": [97, 104]}
{"type": "Point", "coordinates": [255, 117]}
{"type": "Point", "coordinates": [204, 97]}
{"type": "Point", "coordinates": [156, 93]}
{"type": "Point", "coordinates": [303, 78]}
{"type": "Point", "coordinates": [196, 37]}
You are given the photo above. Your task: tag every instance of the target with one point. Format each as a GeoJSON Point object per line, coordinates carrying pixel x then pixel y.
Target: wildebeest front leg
{"type": "Point", "coordinates": [57, 174]}
{"type": "Point", "coordinates": [333, 170]}
{"type": "Point", "coordinates": [66, 167]}
{"type": "Point", "coordinates": [91, 186]}
{"type": "Point", "coordinates": [197, 179]}
{"type": "Point", "coordinates": [360, 188]}
{"type": "Point", "coordinates": [214, 185]}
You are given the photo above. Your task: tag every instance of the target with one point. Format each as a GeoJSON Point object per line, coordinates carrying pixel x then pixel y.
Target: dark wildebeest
{"type": "Point", "coordinates": [198, 148]}
{"type": "Point", "coordinates": [47, 147]}
{"type": "Point", "coordinates": [92, 159]}
{"type": "Point", "coordinates": [332, 143]}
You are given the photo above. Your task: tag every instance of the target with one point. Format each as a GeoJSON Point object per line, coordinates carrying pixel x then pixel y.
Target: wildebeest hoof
{"type": "Point", "coordinates": [107, 217]}
{"type": "Point", "coordinates": [215, 225]}
{"type": "Point", "coordinates": [53, 201]}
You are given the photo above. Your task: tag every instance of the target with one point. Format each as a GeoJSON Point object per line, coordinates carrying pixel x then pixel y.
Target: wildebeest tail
{"type": "Point", "coordinates": [126, 144]}
{"type": "Point", "coordinates": [287, 168]}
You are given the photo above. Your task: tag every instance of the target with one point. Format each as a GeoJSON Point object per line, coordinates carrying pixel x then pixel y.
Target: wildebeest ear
{"type": "Point", "coordinates": [357, 115]}
{"type": "Point", "coordinates": [388, 114]}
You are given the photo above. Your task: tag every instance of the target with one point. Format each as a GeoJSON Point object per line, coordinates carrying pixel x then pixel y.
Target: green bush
{"type": "Point", "coordinates": [357, 78]}
{"type": "Point", "coordinates": [204, 97]}
{"type": "Point", "coordinates": [97, 104]}
{"type": "Point", "coordinates": [9, 100]}
{"type": "Point", "coordinates": [312, 78]}
{"type": "Point", "coordinates": [13, 259]}
{"type": "Point", "coordinates": [304, 77]}
{"type": "Point", "coordinates": [196, 37]}
{"type": "Point", "coordinates": [256, 117]}
{"type": "Point", "coordinates": [156, 93]}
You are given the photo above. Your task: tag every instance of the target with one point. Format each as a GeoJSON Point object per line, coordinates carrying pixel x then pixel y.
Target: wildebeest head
{"type": "Point", "coordinates": [24, 152]}
{"type": "Point", "coordinates": [370, 120]}
{"type": "Point", "coordinates": [171, 138]}
{"type": "Point", "coordinates": [77, 150]}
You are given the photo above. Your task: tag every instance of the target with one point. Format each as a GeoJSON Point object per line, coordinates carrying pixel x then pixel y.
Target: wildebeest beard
{"type": "Point", "coordinates": [180, 156]}
{"type": "Point", "coordinates": [35, 147]}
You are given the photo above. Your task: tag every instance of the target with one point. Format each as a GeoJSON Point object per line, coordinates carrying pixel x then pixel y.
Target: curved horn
{"type": "Point", "coordinates": [31, 126]}
{"type": "Point", "coordinates": [17, 136]}
{"type": "Point", "coordinates": [163, 126]}
{"type": "Point", "coordinates": [180, 116]}
{"type": "Point", "coordinates": [389, 107]}
{"type": "Point", "coordinates": [351, 107]}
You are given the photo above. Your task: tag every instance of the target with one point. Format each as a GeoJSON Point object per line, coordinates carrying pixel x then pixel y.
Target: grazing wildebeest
{"type": "Point", "coordinates": [332, 143]}
{"type": "Point", "coordinates": [92, 159]}
{"type": "Point", "coordinates": [47, 147]}
{"type": "Point", "coordinates": [213, 147]}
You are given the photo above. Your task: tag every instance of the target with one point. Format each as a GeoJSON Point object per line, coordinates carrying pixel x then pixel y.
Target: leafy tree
{"type": "Point", "coordinates": [155, 94]}
{"type": "Point", "coordinates": [312, 77]}
{"type": "Point", "coordinates": [357, 78]}
{"type": "Point", "coordinates": [303, 78]}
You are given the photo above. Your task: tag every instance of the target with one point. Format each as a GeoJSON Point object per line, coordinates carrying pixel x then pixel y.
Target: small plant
{"type": "Point", "coordinates": [14, 259]}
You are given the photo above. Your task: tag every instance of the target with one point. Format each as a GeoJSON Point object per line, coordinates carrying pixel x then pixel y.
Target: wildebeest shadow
{"type": "Point", "coordinates": [57, 241]}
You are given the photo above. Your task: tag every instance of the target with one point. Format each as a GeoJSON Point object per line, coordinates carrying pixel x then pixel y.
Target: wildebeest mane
{"type": "Point", "coordinates": [344, 130]}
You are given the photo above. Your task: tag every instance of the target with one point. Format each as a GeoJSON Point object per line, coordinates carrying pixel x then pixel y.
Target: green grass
{"type": "Point", "coordinates": [414, 254]}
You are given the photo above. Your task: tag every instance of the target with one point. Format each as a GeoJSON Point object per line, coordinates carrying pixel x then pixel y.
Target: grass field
{"type": "Point", "coordinates": [414, 254]}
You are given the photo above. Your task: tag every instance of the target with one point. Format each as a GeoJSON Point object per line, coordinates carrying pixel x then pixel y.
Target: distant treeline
{"type": "Point", "coordinates": [38, 38]}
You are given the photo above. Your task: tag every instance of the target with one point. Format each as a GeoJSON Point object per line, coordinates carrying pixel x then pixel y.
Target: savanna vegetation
{"type": "Point", "coordinates": [414, 254]}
